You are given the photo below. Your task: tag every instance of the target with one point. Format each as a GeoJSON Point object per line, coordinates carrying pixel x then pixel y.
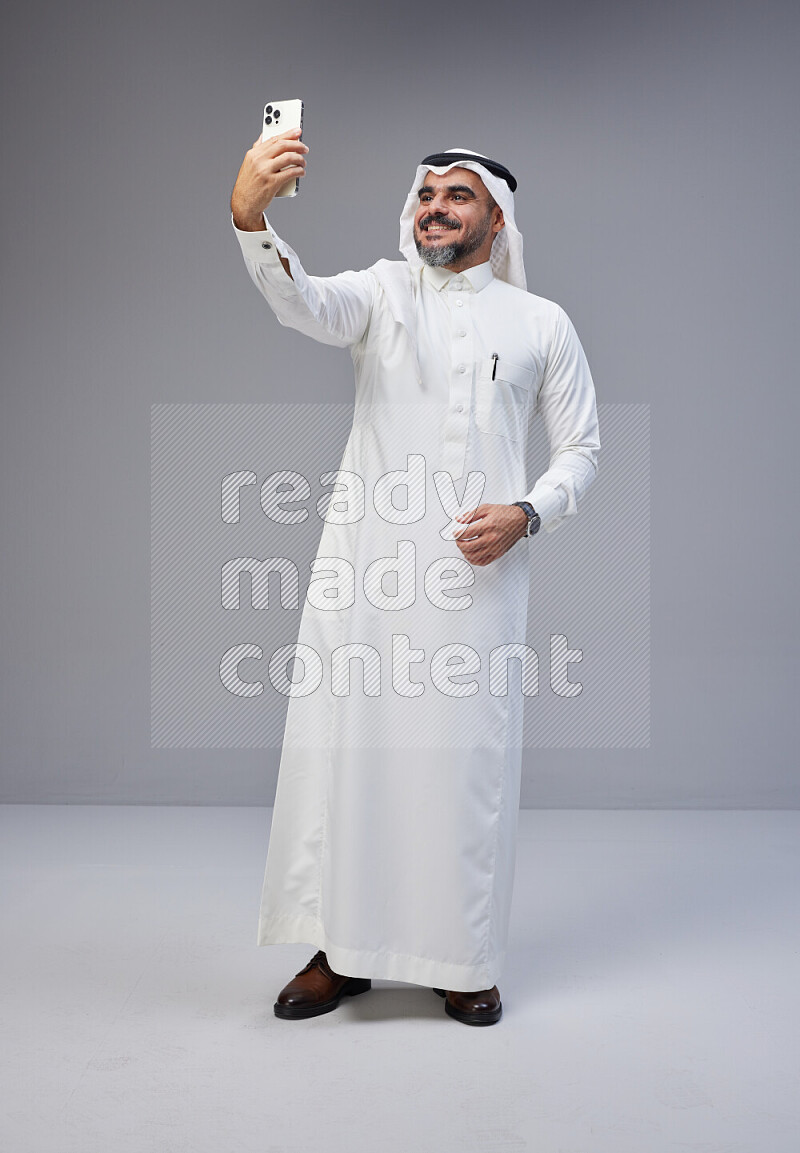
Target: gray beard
{"type": "Point", "coordinates": [445, 254]}
{"type": "Point", "coordinates": [438, 257]}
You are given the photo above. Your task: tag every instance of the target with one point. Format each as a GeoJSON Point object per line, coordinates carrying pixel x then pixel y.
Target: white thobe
{"type": "Point", "coordinates": [393, 837]}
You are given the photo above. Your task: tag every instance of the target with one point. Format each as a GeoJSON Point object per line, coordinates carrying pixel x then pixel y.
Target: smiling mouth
{"type": "Point", "coordinates": [437, 227]}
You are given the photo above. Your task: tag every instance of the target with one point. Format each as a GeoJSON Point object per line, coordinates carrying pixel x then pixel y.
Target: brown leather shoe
{"type": "Point", "coordinates": [481, 1008]}
{"type": "Point", "coordinates": [317, 989]}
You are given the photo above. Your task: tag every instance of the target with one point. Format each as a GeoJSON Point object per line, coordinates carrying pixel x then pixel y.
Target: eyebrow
{"type": "Point", "coordinates": [450, 188]}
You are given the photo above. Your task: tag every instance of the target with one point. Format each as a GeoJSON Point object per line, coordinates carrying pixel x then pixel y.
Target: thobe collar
{"type": "Point", "coordinates": [474, 278]}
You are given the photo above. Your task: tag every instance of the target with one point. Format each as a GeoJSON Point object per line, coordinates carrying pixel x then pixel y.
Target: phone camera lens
{"type": "Point", "coordinates": [268, 120]}
{"type": "Point", "coordinates": [268, 110]}
{"type": "Point", "coordinates": [277, 113]}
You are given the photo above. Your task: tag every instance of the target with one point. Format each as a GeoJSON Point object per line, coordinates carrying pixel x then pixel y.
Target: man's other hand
{"type": "Point", "coordinates": [265, 168]}
{"type": "Point", "coordinates": [493, 529]}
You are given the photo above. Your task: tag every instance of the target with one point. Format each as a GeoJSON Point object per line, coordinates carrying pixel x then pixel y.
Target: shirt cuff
{"type": "Point", "coordinates": [548, 503]}
{"type": "Point", "coordinates": [260, 247]}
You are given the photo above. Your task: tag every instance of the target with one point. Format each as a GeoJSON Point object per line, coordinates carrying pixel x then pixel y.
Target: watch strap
{"type": "Point", "coordinates": [534, 520]}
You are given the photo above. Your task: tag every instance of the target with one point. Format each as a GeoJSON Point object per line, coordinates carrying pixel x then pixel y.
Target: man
{"type": "Point", "coordinates": [394, 829]}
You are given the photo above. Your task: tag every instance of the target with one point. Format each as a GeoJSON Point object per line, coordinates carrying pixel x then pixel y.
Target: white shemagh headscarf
{"type": "Point", "coordinates": [506, 257]}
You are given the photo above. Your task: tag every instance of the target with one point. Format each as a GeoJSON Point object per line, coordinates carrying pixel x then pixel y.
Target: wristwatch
{"type": "Point", "coordinates": [534, 522]}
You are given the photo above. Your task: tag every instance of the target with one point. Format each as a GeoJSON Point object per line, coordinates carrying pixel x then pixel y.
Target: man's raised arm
{"type": "Point", "coordinates": [333, 309]}
{"type": "Point", "coordinates": [266, 167]}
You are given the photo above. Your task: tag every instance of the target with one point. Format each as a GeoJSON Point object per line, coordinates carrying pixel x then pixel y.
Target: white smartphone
{"type": "Point", "coordinates": [280, 116]}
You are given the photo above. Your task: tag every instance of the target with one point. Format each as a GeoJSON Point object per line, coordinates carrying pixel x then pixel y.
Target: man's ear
{"type": "Point", "coordinates": [499, 221]}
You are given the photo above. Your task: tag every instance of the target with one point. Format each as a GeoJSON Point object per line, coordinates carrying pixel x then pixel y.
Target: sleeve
{"type": "Point", "coordinates": [566, 400]}
{"type": "Point", "coordinates": [332, 309]}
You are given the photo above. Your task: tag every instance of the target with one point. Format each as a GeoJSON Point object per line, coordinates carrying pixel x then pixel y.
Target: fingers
{"type": "Point", "coordinates": [278, 152]}
{"type": "Point", "coordinates": [281, 141]}
{"type": "Point", "coordinates": [287, 160]}
{"type": "Point", "coordinates": [289, 134]}
{"type": "Point", "coordinates": [272, 165]}
{"type": "Point", "coordinates": [474, 526]}
{"type": "Point", "coordinates": [488, 534]}
{"type": "Point", "coordinates": [473, 513]}
{"type": "Point", "coordinates": [265, 162]}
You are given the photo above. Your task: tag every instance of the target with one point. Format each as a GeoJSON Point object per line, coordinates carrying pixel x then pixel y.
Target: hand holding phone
{"type": "Point", "coordinates": [278, 148]}
{"type": "Point", "coordinates": [280, 116]}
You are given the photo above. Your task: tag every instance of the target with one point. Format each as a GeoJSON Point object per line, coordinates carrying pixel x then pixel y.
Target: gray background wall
{"type": "Point", "coordinates": [657, 150]}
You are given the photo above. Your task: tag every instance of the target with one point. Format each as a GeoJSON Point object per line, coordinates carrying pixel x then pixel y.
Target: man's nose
{"type": "Point", "coordinates": [437, 205]}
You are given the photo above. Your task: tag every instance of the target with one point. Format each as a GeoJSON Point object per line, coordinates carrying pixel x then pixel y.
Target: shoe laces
{"type": "Point", "coordinates": [321, 961]}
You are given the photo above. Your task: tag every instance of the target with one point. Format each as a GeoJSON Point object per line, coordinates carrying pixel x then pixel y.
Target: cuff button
{"type": "Point", "coordinates": [265, 245]}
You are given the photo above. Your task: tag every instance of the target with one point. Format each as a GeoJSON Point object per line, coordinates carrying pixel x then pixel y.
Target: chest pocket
{"type": "Point", "coordinates": [502, 397]}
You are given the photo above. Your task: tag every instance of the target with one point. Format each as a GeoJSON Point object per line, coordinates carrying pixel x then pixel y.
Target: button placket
{"type": "Point", "coordinates": [461, 360]}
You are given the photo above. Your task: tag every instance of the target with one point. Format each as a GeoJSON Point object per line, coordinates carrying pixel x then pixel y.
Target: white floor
{"type": "Point", "coordinates": [650, 999]}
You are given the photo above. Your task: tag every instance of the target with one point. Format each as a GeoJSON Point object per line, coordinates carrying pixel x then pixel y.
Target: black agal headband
{"type": "Point", "coordinates": [448, 159]}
